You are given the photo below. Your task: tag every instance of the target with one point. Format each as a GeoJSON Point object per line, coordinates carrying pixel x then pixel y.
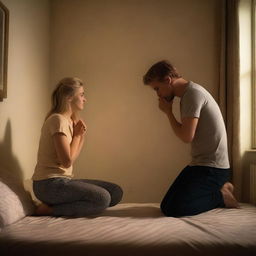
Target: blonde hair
{"type": "Point", "coordinates": [66, 87]}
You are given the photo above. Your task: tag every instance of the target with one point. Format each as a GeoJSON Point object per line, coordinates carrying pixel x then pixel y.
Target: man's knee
{"type": "Point", "coordinates": [172, 209]}
{"type": "Point", "coordinates": [167, 209]}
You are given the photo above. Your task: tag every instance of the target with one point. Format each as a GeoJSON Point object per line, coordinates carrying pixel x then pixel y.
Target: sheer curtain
{"type": "Point", "coordinates": [229, 90]}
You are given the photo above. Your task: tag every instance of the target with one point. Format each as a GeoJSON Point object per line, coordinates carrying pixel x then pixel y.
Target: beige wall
{"type": "Point", "coordinates": [110, 44]}
{"type": "Point", "coordinates": [21, 114]}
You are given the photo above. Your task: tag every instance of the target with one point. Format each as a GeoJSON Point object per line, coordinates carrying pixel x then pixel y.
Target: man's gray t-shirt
{"type": "Point", "coordinates": [209, 146]}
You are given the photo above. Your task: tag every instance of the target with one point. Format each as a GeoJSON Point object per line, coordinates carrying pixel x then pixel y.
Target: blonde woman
{"type": "Point", "coordinates": [62, 138]}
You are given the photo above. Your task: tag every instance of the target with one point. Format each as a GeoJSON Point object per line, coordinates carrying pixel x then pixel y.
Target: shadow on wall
{"type": "Point", "coordinates": [10, 171]}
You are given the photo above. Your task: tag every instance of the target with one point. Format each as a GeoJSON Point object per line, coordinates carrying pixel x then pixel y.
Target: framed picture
{"type": "Point", "coordinates": [4, 29]}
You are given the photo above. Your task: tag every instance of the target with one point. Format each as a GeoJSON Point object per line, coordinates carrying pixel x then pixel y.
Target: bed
{"type": "Point", "coordinates": [126, 229]}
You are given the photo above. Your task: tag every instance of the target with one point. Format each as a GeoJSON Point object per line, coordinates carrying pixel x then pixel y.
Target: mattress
{"type": "Point", "coordinates": [135, 229]}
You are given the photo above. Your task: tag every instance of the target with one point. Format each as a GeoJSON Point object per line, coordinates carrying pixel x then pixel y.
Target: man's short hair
{"type": "Point", "coordinates": [159, 71]}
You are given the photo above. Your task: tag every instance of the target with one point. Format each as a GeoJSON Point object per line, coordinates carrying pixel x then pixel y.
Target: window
{"type": "Point", "coordinates": [247, 101]}
{"type": "Point", "coordinates": [253, 27]}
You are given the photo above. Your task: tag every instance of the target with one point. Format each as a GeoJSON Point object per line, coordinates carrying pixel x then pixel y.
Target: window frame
{"type": "Point", "coordinates": [253, 78]}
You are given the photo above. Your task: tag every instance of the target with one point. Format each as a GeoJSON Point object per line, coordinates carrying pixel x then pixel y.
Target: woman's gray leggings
{"type": "Point", "coordinates": [77, 197]}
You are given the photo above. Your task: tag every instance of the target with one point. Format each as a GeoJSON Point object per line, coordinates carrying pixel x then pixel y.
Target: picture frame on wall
{"type": "Point", "coordinates": [4, 32]}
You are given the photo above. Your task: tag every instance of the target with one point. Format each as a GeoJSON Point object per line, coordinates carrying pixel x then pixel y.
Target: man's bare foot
{"type": "Point", "coordinates": [228, 197]}
{"type": "Point", "coordinates": [43, 210]}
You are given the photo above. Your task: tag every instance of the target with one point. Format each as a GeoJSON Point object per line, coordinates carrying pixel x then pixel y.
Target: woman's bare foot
{"type": "Point", "coordinates": [228, 197]}
{"type": "Point", "coordinates": [43, 210]}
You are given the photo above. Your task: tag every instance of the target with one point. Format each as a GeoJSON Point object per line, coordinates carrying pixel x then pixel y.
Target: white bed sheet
{"type": "Point", "coordinates": [135, 229]}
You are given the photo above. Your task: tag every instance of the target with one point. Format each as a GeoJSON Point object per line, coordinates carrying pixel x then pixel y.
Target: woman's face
{"type": "Point", "coordinates": [78, 99]}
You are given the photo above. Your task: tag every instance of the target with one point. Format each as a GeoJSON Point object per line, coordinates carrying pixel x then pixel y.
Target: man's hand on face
{"type": "Point", "coordinates": [165, 106]}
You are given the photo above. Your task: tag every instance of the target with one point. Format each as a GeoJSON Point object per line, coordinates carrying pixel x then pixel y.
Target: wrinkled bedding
{"type": "Point", "coordinates": [135, 229]}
